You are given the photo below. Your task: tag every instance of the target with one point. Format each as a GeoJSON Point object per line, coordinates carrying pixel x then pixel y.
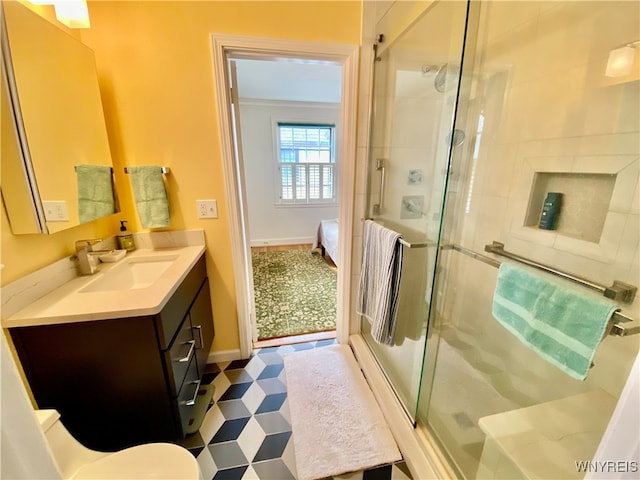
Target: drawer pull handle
{"type": "Point", "coordinates": [190, 354]}
{"type": "Point", "coordinates": [199, 329]}
{"type": "Point", "coordinates": [192, 402]}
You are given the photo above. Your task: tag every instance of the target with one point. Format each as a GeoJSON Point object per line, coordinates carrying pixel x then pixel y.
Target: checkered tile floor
{"type": "Point", "coordinates": [247, 433]}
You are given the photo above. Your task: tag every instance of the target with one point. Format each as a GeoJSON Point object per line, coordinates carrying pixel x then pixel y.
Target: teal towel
{"type": "Point", "coordinates": [563, 325]}
{"type": "Point", "coordinates": [150, 196]}
{"type": "Point", "coordinates": [95, 192]}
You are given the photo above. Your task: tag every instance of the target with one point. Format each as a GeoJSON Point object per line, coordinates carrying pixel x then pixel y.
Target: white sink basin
{"type": "Point", "coordinates": [139, 284]}
{"type": "Point", "coordinates": [131, 274]}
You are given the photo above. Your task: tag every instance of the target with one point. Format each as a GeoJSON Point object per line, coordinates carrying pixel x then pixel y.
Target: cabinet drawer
{"type": "Point", "coordinates": [188, 393]}
{"type": "Point", "coordinates": [168, 320]}
{"type": "Point", "coordinates": [201, 318]}
{"type": "Point", "coordinates": [179, 356]}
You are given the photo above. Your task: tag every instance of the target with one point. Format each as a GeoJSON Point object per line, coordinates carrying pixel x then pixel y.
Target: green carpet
{"type": "Point", "coordinates": [295, 293]}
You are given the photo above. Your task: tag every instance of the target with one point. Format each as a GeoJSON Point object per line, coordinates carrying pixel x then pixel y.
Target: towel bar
{"type": "Point", "coordinates": [165, 170]}
{"type": "Point", "coordinates": [416, 244]}
{"type": "Point", "coordinates": [408, 244]}
{"type": "Point", "coordinates": [617, 317]}
{"type": "Point", "coordinates": [75, 168]}
{"type": "Point", "coordinates": [618, 291]}
{"type": "Point", "coordinates": [621, 331]}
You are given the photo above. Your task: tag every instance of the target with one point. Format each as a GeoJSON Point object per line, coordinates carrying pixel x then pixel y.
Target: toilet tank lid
{"type": "Point", "coordinates": [46, 418]}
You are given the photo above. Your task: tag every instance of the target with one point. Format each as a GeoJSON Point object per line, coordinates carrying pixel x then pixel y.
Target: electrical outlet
{"type": "Point", "coordinates": [207, 208]}
{"type": "Point", "coordinates": [55, 211]}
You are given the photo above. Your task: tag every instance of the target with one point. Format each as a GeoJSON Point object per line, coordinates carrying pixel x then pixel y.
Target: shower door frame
{"type": "Point", "coordinates": [380, 47]}
{"type": "Point", "coordinates": [463, 106]}
{"type": "Point", "coordinates": [421, 450]}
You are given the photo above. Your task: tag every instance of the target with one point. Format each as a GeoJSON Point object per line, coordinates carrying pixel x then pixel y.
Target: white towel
{"type": "Point", "coordinates": [380, 280]}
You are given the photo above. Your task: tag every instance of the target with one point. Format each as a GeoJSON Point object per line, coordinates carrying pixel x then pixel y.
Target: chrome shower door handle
{"type": "Point", "coordinates": [377, 207]}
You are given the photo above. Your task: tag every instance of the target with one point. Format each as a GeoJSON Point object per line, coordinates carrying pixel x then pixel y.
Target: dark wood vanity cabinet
{"type": "Point", "coordinates": [124, 381]}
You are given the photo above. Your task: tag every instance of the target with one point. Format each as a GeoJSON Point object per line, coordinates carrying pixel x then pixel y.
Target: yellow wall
{"type": "Point", "coordinates": [155, 67]}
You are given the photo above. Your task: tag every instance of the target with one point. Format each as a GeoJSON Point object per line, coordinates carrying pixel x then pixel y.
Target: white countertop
{"type": "Point", "coordinates": [68, 304]}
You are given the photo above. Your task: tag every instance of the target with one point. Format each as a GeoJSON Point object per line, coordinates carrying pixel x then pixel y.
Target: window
{"type": "Point", "coordinates": [306, 160]}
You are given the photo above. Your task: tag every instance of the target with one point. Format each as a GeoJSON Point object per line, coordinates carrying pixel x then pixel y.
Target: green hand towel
{"type": "Point", "coordinates": [95, 192]}
{"type": "Point", "coordinates": [562, 324]}
{"type": "Point", "coordinates": [150, 195]}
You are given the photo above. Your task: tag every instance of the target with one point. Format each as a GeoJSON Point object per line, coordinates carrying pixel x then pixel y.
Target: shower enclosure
{"type": "Point", "coordinates": [479, 110]}
{"type": "Point", "coordinates": [414, 99]}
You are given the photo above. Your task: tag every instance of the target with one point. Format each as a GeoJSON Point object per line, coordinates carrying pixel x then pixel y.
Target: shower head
{"type": "Point", "coordinates": [430, 68]}
{"type": "Point", "coordinates": [445, 72]}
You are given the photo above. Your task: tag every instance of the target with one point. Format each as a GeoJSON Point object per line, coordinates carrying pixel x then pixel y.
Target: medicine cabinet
{"type": "Point", "coordinates": [52, 121]}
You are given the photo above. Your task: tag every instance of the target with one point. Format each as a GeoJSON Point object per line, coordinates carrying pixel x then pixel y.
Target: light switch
{"type": "Point", "coordinates": [55, 211]}
{"type": "Point", "coordinates": [207, 208]}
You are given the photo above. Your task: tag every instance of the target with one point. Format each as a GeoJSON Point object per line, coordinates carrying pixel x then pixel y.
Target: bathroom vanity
{"type": "Point", "coordinates": [122, 367]}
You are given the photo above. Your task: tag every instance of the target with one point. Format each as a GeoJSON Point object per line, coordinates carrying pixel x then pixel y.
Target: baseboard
{"type": "Point", "coordinates": [224, 356]}
{"type": "Point", "coordinates": [412, 446]}
{"type": "Point", "coordinates": [264, 242]}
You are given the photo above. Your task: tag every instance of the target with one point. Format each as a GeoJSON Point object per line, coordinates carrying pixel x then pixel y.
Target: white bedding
{"type": "Point", "coordinates": [327, 239]}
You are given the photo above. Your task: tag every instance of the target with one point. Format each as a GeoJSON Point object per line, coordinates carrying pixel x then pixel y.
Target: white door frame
{"type": "Point", "coordinates": [347, 57]}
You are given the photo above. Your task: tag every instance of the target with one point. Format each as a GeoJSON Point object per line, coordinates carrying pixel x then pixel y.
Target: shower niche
{"type": "Point", "coordinates": [584, 206]}
{"type": "Point", "coordinates": [598, 192]}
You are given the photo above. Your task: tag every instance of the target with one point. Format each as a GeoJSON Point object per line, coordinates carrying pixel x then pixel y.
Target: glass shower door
{"type": "Point", "coordinates": [415, 94]}
{"type": "Point", "coordinates": [543, 111]}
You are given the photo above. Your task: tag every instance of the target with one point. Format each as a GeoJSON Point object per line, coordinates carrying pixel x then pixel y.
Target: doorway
{"type": "Point", "coordinates": [228, 50]}
{"type": "Point", "coordinates": [289, 119]}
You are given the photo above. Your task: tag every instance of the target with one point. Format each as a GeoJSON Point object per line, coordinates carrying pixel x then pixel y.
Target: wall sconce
{"type": "Point", "coordinates": [72, 13]}
{"type": "Point", "coordinates": [620, 60]}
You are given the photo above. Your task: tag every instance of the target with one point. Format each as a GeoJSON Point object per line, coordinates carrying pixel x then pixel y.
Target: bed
{"type": "Point", "coordinates": [327, 239]}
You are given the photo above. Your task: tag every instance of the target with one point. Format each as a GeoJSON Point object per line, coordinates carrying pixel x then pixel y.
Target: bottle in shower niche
{"type": "Point", "coordinates": [550, 211]}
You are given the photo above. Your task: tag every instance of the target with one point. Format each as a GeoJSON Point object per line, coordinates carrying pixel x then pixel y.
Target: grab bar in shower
{"type": "Point", "coordinates": [377, 207]}
{"type": "Point", "coordinates": [498, 248]}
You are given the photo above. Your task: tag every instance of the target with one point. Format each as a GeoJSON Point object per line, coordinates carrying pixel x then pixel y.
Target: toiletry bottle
{"type": "Point", "coordinates": [550, 211]}
{"type": "Point", "coordinates": [125, 238]}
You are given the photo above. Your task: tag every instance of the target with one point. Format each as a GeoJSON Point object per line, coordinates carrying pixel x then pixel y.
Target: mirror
{"type": "Point", "coordinates": [57, 170]}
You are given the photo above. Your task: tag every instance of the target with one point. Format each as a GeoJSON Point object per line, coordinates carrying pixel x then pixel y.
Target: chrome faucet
{"type": "Point", "coordinates": [87, 257]}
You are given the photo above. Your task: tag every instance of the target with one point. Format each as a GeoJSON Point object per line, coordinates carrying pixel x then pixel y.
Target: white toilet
{"type": "Point", "coordinates": [153, 460]}
{"type": "Point", "coordinates": [35, 443]}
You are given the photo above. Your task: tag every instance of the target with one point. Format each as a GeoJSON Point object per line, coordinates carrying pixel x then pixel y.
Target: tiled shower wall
{"type": "Point", "coordinates": [408, 133]}
{"type": "Point", "coordinates": [548, 107]}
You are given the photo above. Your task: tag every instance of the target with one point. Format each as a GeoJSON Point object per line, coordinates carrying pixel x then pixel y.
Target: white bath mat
{"type": "Point", "coordinates": [337, 424]}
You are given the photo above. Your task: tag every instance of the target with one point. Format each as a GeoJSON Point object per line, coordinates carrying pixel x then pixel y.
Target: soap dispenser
{"type": "Point", "coordinates": [125, 238]}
